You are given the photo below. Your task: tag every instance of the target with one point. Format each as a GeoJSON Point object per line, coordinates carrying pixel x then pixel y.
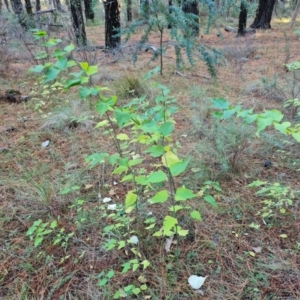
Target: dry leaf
{"type": "Point", "coordinates": [256, 249]}
{"type": "Point", "coordinates": [169, 243]}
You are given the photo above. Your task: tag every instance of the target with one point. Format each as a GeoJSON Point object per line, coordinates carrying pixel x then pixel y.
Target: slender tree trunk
{"type": "Point", "coordinates": [242, 19]}
{"type": "Point", "coordinates": [112, 24]}
{"type": "Point", "coordinates": [7, 5]}
{"type": "Point", "coordinates": [170, 11]}
{"type": "Point", "coordinates": [144, 8]}
{"type": "Point", "coordinates": [18, 10]}
{"type": "Point", "coordinates": [191, 7]}
{"type": "Point", "coordinates": [28, 7]}
{"type": "Point", "coordinates": [129, 10]}
{"type": "Point", "coordinates": [295, 14]}
{"type": "Point", "coordinates": [89, 13]}
{"type": "Point", "coordinates": [264, 14]}
{"type": "Point", "coordinates": [58, 5]}
{"type": "Point", "coordinates": [37, 5]}
{"type": "Point", "coordinates": [78, 22]}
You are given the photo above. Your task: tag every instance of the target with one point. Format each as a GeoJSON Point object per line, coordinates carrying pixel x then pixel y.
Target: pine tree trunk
{"type": "Point", "coordinates": [18, 10]}
{"type": "Point", "coordinates": [170, 11]}
{"type": "Point", "coordinates": [37, 5]}
{"type": "Point", "coordinates": [191, 7]}
{"type": "Point", "coordinates": [58, 5]}
{"type": "Point", "coordinates": [295, 14]}
{"type": "Point", "coordinates": [7, 5]}
{"type": "Point", "coordinates": [112, 24]}
{"type": "Point", "coordinates": [242, 19]}
{"type": "Point", "coordinates": [89, 13]}
{"type": "Point", "coordinates": [28, 7]}
{"type": "Point", "coordinates": [264, 14]}
{"type": "Point", "coordinates": [78, 22]}
{"type": "Point", "coordinates": [129, 10]}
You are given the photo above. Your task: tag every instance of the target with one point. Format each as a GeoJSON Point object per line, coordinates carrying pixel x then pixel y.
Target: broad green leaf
{"type": "Point", "coordinates": [102, 282]}
{"type": "Point", "coordinates": [102, 123]}
{"type": "Point", "coordinates": [136, 291]}
{"type": "Point", "coordinates": [151, 73]}
{"type": "Point", "coordinates": [58, 52]}
{"type": "Point", "coordinates": [176, 208]}
{"type": "Point", "coordinates": [127, 177]}
{"type": "Point", "coordinates": [135, 267]}
{"type": "Point", "coordinates": [141, 179]}
{"type": "Point", "coordinates": [122, 117]}
{"type": "Point", "coordinates": [84, 65]}
{"type": "Point", "coordinates": [169, 159]}
{"type": "Point", "coordinates": [157, 176]}
{"type": "Point", "coordinates": [131, 198]}
{"type": "Point", "coordinates": [69, 48]}
{"type": "Point", "coordinates": [51, 74]}
{"type": "Point", "coordinates": [110, 274]}
{"type": "Point", "coordinates": [38, 241]}
{"type": "Point", "coordinates": [102, 107]}
{"type": "Point", "coordinates": [296, 136]}
{"type": "Point", "coordinates": [84, 92]}
{"type": "Point", "coordinates": [144, 287]}
{"type": "Point", "coordinates": [122, 137]}
{"type": "Point", "coordinates": [72, 82]}
{"type": "Point", "coordinates": [169, 223]}
{"type": "Point", "coordinates": [257, 183]}
{"type": "Point", "coordinates": [220, 103]}
{"type": "Point", "coordinates": [53, 224]}
{"type": "Point", "coordinates": [155, 151]}
{"type": "Point", "coordinates": [61, 62]}
{"type": "Point", "coordinates": [113, 158]}
{"type": "Point", "coordinates": [196, 215]}
{"type": "Point", "coordinates": [182, 232]}
{"type": "Point", "coordinates": [166, 128]}
{"type": "Point", "coordinates": [135, 162]}
{"type": "Point", "coordinates": [120, 170]}
{"type": "Point", "coordinates": [71, 63]}
{"type": "Point", "coordinates": [183, 194]}
{"type": "Point", "coordinates": [283, 127]}
{"type": "Point", "coordinates": [211, 200]}
{"type": "Point", "coordinates": [121, 244]}
{"type": "Point", "coordinates": [52, 42]}
{"type": "Point", "coordinates": [179, 167]}
{"type": "Point", "coordinates": [160, 197]}
{"type": "Point", "coordinates": [91, 70]}
{"type": "Point", "coordinates": [37, 69]}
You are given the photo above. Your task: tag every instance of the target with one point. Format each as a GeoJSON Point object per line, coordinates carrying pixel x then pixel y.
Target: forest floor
{"type": "Point", "coordinates": [241, 262]}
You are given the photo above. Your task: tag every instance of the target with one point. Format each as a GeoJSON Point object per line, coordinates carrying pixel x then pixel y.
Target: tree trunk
{"type": "Point", "coordinates": [112, 24]}
{"type": "Point", "coordinates": [7, 5]}
{"type": "Point", "coordinates": [191, 7]}
{"type": "Point", "coordinates": [58, 5]}
{"type": "Point", "coordinates": [28, 7]}
{"type": "Point", "coordinates": [145, 8]}
{"type": "Point", "coordinates": [78, 22]}
{"type": "Point", "coordinates": [129, 10]}
{"type": "Point", "coordinates": [295, 14]}
{"type": "Point", "coordinates": [264, 14]}
{"type": "Point", "coordinates": [242, 19]}
{"type": "Point", "coordinates": [89, 13]}
{"type": "Point", "coordinates": [18, 10]}
{"type": "Point", "coordinates": [170, 11]}
{"type": "Point", "coordinates": [37, 5]}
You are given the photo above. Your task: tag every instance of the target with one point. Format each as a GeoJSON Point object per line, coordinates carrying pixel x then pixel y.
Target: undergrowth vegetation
{"type": "Point", "coordinates": [106, 197]}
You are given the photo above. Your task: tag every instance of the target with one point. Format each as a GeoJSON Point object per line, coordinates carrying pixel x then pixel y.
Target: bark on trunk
{"type": "Point", "coordinates": [191, 7]}
{"type": "Point", "coordinates": [112, 24]}
{"type": "Point", "coordinates": [295, 14]}
{"type": "Point", "coordinates": [129, 10]}
{"type": "Point", "coordinates": [58, 5]}
{"type": "Point", "coordinates": [242, 19]}
{"type": "Point", "coordinates": [37, 5]}
{"type": "Point", "coordinates": [89, 13]}
{"type": "Point", "coordinates": [18, 10]}
{"type": "Point", "coordinates": [170, 11]}
{"type": "Point", "coordinates": [264, 14]}
{"type": "Point", "coordinates": [28, 7]}
{"type": "Point", "coordinates": [78, 22]}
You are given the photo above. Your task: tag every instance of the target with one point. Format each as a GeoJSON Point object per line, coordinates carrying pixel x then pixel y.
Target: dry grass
{"type": "Point", "coordinates": [31, 179]}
